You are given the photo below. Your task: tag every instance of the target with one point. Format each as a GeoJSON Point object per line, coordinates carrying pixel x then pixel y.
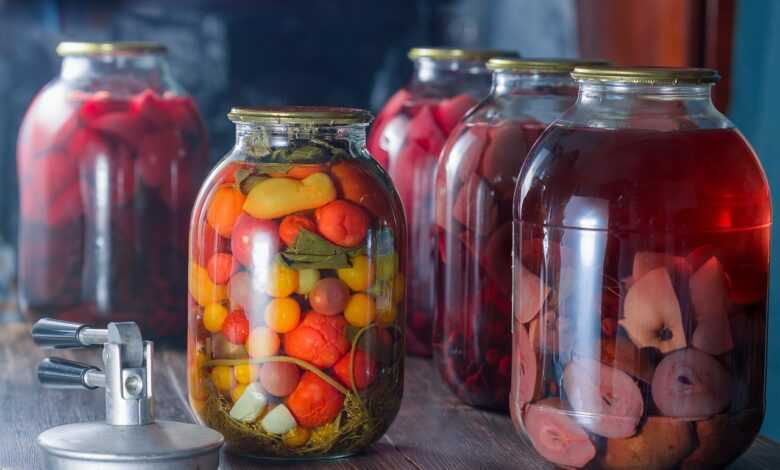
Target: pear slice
{"type": "Point", "coordinates": [651, 313]}
{"type": "Point", "coordinates": [661, 444]}
{"type": "Point", "coordinates": [531, 293]}
{"type": "Point", "coordinates": [527, 380]}
{"type": "Point", "coordinates": [556, 436]}
{"type": "Point", "coordinates": [692, 385]}
{"type": "Point", "coordinates": [709, 296]}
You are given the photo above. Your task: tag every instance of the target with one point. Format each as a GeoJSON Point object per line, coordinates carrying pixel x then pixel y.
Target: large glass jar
{"type": "Point", "coordinates": [640, 290]}
{"type": "Point", "coordinates": [297, 253]}
{"type": "Point", "coordinates": [407, 138]}
{"type": "Point", "coordinates": [110, 154]}
{"type": "Point", "coordinates": [475, 181]}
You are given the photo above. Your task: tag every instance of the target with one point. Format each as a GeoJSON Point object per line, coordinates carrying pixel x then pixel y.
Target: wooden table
{"type": "Point", "coordinates": [432, 431]}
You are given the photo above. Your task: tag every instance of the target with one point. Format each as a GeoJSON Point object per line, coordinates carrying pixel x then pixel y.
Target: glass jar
{"type": "Point", "coordinates": [475, 181]}
{"type": "Point", "coordinates": [407, 138]}
{"type": "Point", "coordinates": [297, 254]}
{"type": "Point", "coordinates": [109, 157]}
{"type": "Point", "coordinates": [641, 261]}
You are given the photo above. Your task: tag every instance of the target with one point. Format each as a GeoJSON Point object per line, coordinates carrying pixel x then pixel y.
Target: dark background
{"type": "Point", "coordinates": [353, 53]}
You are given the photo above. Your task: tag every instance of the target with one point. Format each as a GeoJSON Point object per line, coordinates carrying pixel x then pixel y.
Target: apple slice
{"type": "Point", "coordinates": [526, 377]}
{"type": "Point", "coordinates": [652, 316]}
{"type": "Point", "coordinates": [619, 352]}
{"type": "Point", "coordinates": [608, 402]}
{"type": "Point", "coordinates": [660, 445]}
{"type": "Point", "coordinates": [709, 295]}
{"type": "Point", "coordinates": [556, 436]}
{"type": "Point", "coordinates": [691, 384]}
{"type": "Point", "coordinates": [530, 292]}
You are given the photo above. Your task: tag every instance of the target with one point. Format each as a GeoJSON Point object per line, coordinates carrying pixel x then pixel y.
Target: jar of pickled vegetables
{"type": "Point", "coordinates": [407, 138]}
{"type": "Point", "coordinates": [110, 155]}
{"type": "Point", "coordinates": [641, 261]}
{"type": "Point", "coordinates": [475, 181]}
{"type": "Point", "coordinates": [297, 303]}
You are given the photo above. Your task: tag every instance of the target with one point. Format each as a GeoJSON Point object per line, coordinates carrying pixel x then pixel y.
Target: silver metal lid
{"type": "Point", "coordinates": [131, 438]}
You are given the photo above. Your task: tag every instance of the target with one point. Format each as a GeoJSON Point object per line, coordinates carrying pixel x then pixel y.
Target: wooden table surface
{"type": "Point", "coordinates": [432, 431]}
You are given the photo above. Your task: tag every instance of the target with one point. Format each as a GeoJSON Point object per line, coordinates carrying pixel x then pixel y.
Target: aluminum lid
{"type": "Point", "coordinates": [162, 444]}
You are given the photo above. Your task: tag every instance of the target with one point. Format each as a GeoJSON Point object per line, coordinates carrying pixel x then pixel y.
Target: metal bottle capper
{"type": "Point", "coordinates": [130, 438]}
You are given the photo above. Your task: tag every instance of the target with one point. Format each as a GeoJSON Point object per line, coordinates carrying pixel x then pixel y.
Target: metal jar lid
{"type": "Point", "coordinates": [130, 438]}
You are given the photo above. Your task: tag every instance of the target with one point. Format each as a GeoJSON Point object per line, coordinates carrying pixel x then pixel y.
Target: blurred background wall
{"type": "Point", "coordinates": [353, 52]}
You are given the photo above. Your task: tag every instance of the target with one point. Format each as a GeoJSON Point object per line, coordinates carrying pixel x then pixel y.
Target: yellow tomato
{"type": "Point", "coordinates": [360, 310]}
{"type": "Point", "coordinates": [214, 316]}
{"type": "Point", "coordinates": [283, 280]}
{"type": "Point", "coordinates": [222, 378]}
{"type": "Point", "coordinates": [246, 373]}
{"type": "Point", "coordinates": [296, 437]}
{"type": "Point", "coordinates": [282, 315]}
{"type": "Point", "coordinates": [203, 290]}
{"type": "Point", "coordinates": [359, 276]}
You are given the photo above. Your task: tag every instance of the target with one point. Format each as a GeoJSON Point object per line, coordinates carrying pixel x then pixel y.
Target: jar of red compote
{"type": "Point", "coordinates": [407, 138]}
{"type": "Point", "coordinates": [475, 181]}
{"type": "Point", "coordinates": [641, 258]}
{"type": "Point", "coordinates": [296, 288]}
{"type": "Point", "coordinates": [110, 154]}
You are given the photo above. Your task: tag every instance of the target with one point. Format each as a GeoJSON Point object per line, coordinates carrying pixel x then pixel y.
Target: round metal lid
{"type": "Point", "coordinates": [169, 444]}
{"type": "Point", "coordinates": [70, 48]}
{"type": "Point", "coordinates": [448, 53]}
{"type": "Point", "coordinates": [313, 115]}
{"type": "Point", "coordinates": [647, 75]}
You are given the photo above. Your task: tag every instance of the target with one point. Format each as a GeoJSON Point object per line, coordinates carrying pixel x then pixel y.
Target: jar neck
{"type": "Point", "coordinates": [662, 107]}
{"type": "Point", "coordinates": [118, 72]}
{"type": "Point", "coordinates": [253, 136]}
{"type": "Point", "coordinates": [510, 83]}
{"type": "Point", "coordinates": [449, 77]}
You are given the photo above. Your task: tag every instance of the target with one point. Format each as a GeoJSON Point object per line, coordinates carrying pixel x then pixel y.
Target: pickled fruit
{"type": "Point", "coordinates": [298, 362]}
{"type": "Point", "coordinates": [407, 139]}
{"type": "Point", "coordinates": [106, 193]}
{"type": "Point", "coordinates": [556, 436]}
{"type": "Point", "coordinates": [634, 325]}
{"type": "Point", "coordinates": [472, 343]}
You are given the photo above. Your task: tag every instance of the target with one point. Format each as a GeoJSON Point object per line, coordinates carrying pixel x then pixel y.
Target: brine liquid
{"type": "Point", "coordinates": [641, 279]}
{"type": "Point", "coordinates": [409, 136]}
{"type": "Point", "coordinates": [297, 304]}
{"type": "Point", "coordinates": [107, 183]}
{"type": "Point", "coordinates": [474, 190]}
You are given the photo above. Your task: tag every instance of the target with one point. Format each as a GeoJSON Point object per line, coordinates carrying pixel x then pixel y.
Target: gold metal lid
{"type": "Point", "coordinates": [445, 53]}
{"type": "Point", "coordinates": [545, 65]}
{"type": "Point", "coordinates": [106, 48]}
{"type": "Point", "coordinates": [647, 75]}
{"type": "Point", "coordinates": [315, 115]}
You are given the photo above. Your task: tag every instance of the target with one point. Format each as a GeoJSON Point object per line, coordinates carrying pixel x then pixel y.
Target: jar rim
{"type": "Point", "coordinates": [75, 48]}
{"type": "Point", "coordinates": [541, 65]}
{"type": "Point", "coordinates": [647, 75]}
{"type": "Point", "coordinates": [314, 115]}
{"type": "Point", "coordinates": [450, 53]}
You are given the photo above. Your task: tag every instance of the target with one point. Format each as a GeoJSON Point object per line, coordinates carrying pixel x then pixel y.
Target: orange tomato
{"type": "Point", "coordinates": [224, 209]}
{"type": "Point", "coordinates": [342, 222]}
{"type": "Point", "coordinates": [357, 186]}
{"type": "Point", "coordinates": [292, 224]}
{"type": "Point", "coordinates": [314, 402]}
{"type": "Point", "coordinates": [318, 339]}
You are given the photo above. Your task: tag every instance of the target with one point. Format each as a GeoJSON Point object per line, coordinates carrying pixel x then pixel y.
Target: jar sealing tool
{"type": "Point", "coordinates": [130, 437]}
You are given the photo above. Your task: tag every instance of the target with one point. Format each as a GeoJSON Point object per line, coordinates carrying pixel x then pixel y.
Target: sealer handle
{"type": "Point", "coordinates": [55, 372]}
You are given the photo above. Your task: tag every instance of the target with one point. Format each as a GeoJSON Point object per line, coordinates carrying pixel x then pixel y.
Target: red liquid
{"type": "Point", "coordinates": [407, 140]}
{"type": "Point", "coordinates": [107, 184]}
{"type": "Point", "coordinates": [641, 296]}
{"type": "Point", "coordinates": [474, 190]}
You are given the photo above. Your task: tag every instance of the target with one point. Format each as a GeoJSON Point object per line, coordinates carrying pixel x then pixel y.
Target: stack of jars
{"type": "Point", "coordinates": [475, 182]}
{"type": "Point", "coordinates": [641, 259]}
{"type": "Point", "coordinates": [296, 288]}
{"type": "Point", "coordinates": [110, 155]}
{"type": "Point", "coordinates": [407, 139]}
